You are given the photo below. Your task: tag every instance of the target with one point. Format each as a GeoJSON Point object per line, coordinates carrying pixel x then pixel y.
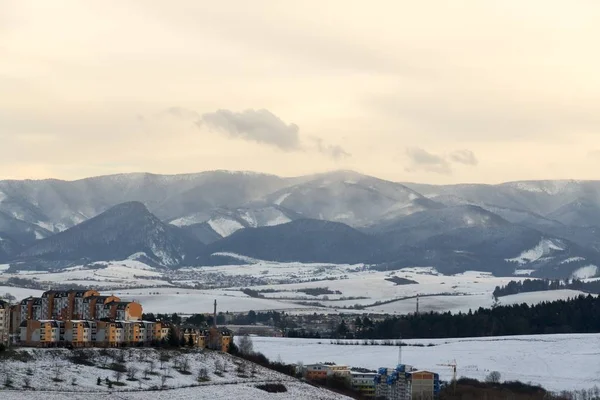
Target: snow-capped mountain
{"type": "Point", "coordinates": [350, 198]}
{"type": "Point", "coordinates": [451, 227]}
{"type": "Point", "coordinates": [116, 234]}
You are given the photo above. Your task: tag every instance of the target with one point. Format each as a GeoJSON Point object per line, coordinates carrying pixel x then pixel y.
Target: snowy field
{"type": "Point", "coordinates": [190, 301]}
{"type": "Point", "coordinates": [282, 286]}
{"type": "Point", "coordinates": [296, 390]}
{"type": "Point", "coordinates": [53, 376]}
{"type": "Point", "coordinates": [557, 362]}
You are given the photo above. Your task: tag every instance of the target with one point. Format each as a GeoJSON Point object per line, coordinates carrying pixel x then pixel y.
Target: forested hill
{"type": "Point", "coordinates": [539, 285]}
{"type": "Point", "coordinates": [579, 315]}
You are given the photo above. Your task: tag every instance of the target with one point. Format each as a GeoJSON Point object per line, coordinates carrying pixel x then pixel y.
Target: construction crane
{"type": "Point", "coordinates": [453, 366]}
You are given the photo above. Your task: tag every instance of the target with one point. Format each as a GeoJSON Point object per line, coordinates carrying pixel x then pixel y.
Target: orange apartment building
{"type": "Point", "coordinates": [83, 318]}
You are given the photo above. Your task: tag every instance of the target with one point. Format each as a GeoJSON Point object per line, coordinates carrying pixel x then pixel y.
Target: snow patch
{"type": "Point", "coordinates": [572, 259]}
{"type": "Point", "coordinates": [279, 220]}
{"type": "Point", "coordinates": [543, 248]}
{"type": "Point", "coordinates": [521, 272]}
{"type": "Point", "coordinates": [189, 220]}
{"type": "Point", "coordinates": [589, 271]}
{"type": "Point", "coordinates": [235, 256]}
{"type": "Point", "coordinates": [225, 226]}
{"type": "Point", "coordinates": [46, 225]}
{"type": "Point", "coordinates": [281, 199]}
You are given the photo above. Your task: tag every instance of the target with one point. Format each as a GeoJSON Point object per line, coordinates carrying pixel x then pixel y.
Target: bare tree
{"type": "Point", "coordinates": [146, 372]}
{"type": "Point", "coordinates": [117, 375]}
{"type": "Point", "coordinates": [185, 364]}
{"type": "Point", "coordinates": [131, 373]}
{"type": "Point", "coordinates": [253, 369]}
{"type": "Point", "coordinates": [163, 381]}
{"type": "Point", "coordinates": [151, 365]}
{"type": "Point", "coordinates": [219, 367]}
{"type": "Point", "coordinates": [27, 381]}
{"type": "Point", "coordinates": [8, 382]}
{"type": "Point", "coordinates": [299, 369]}
{"type": "Point", "coordinates": [202, 374]}
{"type": "Point", "coordinates": [163, 358]}
{"type": "Point", "coordinates": [245, 345]}
{"type": "Point", "coordinates": [493, 377]}
{"type": "Point", "coordinates": [57, 370]}
{"type": "Point", "coordinates": [241, 369]}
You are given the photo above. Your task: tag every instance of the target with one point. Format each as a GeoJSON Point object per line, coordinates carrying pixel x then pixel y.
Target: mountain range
{"type": "Point", "coordinates": [546, 228]}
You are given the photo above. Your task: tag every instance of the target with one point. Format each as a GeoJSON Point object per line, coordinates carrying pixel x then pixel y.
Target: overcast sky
{"type": "Point", "coordinates": [426, 91]}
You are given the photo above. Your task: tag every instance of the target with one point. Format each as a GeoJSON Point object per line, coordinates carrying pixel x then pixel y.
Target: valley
{"type": "Point", "coordinates": [295, 288]}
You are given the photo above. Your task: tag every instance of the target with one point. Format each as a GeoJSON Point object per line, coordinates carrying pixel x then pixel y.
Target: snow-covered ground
{"type": "Point", "coordinates": [350, 288]}
{"type": "Point", "coordinates": [115, 274]}
{"type": "Point", "coordinates": [190, 301]}
{"type": "Point", "coordinates": [557, 362]}
{"type": "Point", "coordinates": [241, 391]}
{"type": "Point", "coordinates": [53, 376]}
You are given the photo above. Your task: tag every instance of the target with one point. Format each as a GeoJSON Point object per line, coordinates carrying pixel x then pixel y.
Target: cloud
{"type": "Point", "coordinates": [464, 156]}
{"type": "Point", "coordinates": [335, 151]}
{"type": "Point", "coordinates": [422, 160]}
{"type": "Point", "coordinates": [260, 126]}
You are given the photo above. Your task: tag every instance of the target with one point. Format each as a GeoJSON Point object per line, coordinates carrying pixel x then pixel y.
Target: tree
{"type": "Point", "coordinates": [219, 367]}
{"type": "Point", "coordinates": [185, 364]}
{"type": "Point", "coordinates": [173, 338]}
{"type": "Point", "coordinates": [164, 358]}
{"type": "Point", "coordinates": [118, 375]}
{"type": "Point", "coordinates": [196, 320]}
{"type": "Point", "coordinates": [27, 381]}
{"type": "Point", "coordinates": [251, 317]}
{"type": "Point", "coordinates": [299, 369]}
{"type": "Point", "coordinates": [343, 330]}
{"type": "Point", "coordinates": [131, 373]}
{"type": "Point", "coordinates": [245, 345]}
{"type": "Point", "coordinates": [163, 380]}
{"type": "Point", "coordinates": [99, 381]}
{"type": "Point", "coordinates": [493, 377]}
{"type": "Point", "coordinates": [202, 375]}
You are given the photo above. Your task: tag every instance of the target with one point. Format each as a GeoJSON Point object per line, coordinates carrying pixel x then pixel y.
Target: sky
{"type": "Point", "coordinates": [423, 91]}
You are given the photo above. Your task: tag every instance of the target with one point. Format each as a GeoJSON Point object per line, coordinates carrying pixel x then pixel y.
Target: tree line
{"type": "Point", "coordinates": [578, 315]}
{"type": "Point", "coordinates": [539, 285]}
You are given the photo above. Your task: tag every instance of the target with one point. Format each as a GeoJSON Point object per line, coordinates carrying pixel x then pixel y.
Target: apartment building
{"type": "Point", "coordinates": [320, 372]}
{"type": "Point", "coordinates": [37, 311]}
{"type": "Point", "coordinates": [4, 321]}
{"type": "Point", "coordinates": [93, 306]}
{"type": "Point", "coordinates": [316, 372]}
{"type": "Point", "coordinates": [77, 306]}
{"type": "Point", "coordinates": [45, 333]}
{"type": "Point", "coordinates": [364, 382]}
{"type": "Point", "coordinates": [84, 318]}
{"type": "Point", "coordinates": [121, 310]}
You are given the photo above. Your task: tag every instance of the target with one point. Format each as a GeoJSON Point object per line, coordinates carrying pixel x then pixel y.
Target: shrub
{"type": "Point", "coordinates": [272, 387]}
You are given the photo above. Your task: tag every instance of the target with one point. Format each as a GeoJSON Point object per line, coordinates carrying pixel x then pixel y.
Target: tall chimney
{"type": "Point", "coordinates": [417, 313]}
{"type": "Point", "coordinates": [215, 315]}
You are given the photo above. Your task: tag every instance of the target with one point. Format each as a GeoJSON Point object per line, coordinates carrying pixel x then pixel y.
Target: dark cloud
{"type": "Point", "coordinates": [422, 160]}
{"type": "Point", "coordinates": [260, 126]}
{"type": "Point", "coordinates": [464, 156]}
{"type": "Point", "coordinates": [336, 152]}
